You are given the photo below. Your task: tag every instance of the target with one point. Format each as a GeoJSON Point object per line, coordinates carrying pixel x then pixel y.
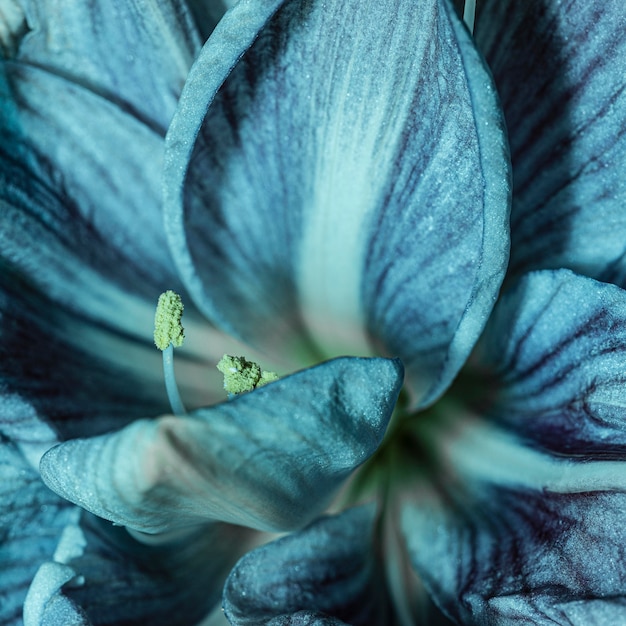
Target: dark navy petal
{"type": "Point", "coordinates": [176, 583]}
{"type": "Point", "coordinates": [337, 183]}
{"type": "Point", "coordinates": [553, 355]}
{"type": "Point", "coordinates": [560, 69]}
{"type": "Point", "coordinates": [305, 618]}
{"type": "Point", "coordinates": [270, 459]}
{"type": "Point", "coordinates": [328, 568]}
{"type": "Point", "coordinates": [508, 555]}
{"type": "Point", "coordinates": [523, 512]}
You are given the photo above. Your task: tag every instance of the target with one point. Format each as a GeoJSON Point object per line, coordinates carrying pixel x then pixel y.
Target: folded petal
{"type": "Point", "coordinates": [305, 618]}
{"type": "Point", "coordinates": [32, 519]}
{"type": "Point", "coordinates": [524, 514]}
{"type": "Point", "coordinates": [82, 123]}
{"type": "Point", "coordinates": [560, 69]}
{"type": "Point", "coordinates": [170, 584]}
{"type": "Point", "coordinates": [269, 459]}
{"type": "Point", "coordinates": [503, 533]}
{"type": "Point", "coordinates": [62, 376]}
{"type": "Point", "coordinates": [134, 53]}
{"type": "Point", "coordinates": [553, 353]}
{"type": "Point", "coordinates": [316, 196]}
{"type": "Point", "coordinates": [328, 568]}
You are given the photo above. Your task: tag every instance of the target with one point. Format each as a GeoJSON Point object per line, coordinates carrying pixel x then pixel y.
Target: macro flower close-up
{"type": "Point", "coordinates": [312, 312]}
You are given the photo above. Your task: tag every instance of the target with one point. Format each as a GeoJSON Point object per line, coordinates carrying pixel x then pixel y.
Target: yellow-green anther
{"type": "Point", "coordinates": [241, 375]}
{"type": "Point", "coordinates": [167, 325]}
{"type": "Point", "coordinates": [267, 377]}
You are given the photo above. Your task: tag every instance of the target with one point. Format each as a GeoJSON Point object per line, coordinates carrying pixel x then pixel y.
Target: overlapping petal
{"type": "Point", "coordinates": [176, 583]}
{"type": "Point", "coordinates": [342, 187]}
{"type": "Point", "coordinates": [270, 459]}
{"type": "Point", "coordinates": [31, 520]}
{"type": "Point", "coordinates": [328, 569]}
{"type": "Point", "coordinates": [524, 515]}
{"type": "Point", "coordinates": [560, 69]}
{"type": "Point", "coordinates": [554, 354]}
{"type": "Point", "coordinates": [82, 248]}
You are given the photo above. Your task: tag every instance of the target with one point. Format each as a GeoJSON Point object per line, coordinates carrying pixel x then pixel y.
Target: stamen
{"type": "Point", "coordinates": [241, 375]}
{"type": "Point", "coordinates": [169, 333]}
{"type": "Point", "coordinates": [469, 14]}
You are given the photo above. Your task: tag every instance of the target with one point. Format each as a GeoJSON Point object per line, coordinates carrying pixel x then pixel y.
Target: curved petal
{"type": "Point", "coordinates": [305, 618]}
{"type": "Point", "coordinates": [64, 377]}
{"type": "Point", "coordinates": [171, 584]}
{"type": "Point", "coordinates": [134, 53]}
{"type": "Point", "coordinates": [506, 534]}
{"type": "Point", "coordinates": [82, 119]}
{"type": "Point", "coordinates": [269, 459]}
{"type": "Point", "coordinates": [525, 512]}
{"type": "Point", "coordinates": [31, 520]}
{"type": "Point", "coordinates": [327, 568]}
{"type": "Point", "coordinates": [553, 353]}
{"type": "Point", "coordinates": [60, 565]}
{"type": "Point", "coordinates": [310, 201]}
{"type": "Point", "coordinates": [560, 69]}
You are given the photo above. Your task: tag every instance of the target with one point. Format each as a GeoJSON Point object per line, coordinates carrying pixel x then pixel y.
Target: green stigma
{"type": "Point", "coordinates": [241, 375]}
{"type": "Point", "coordinates": [167, 326]}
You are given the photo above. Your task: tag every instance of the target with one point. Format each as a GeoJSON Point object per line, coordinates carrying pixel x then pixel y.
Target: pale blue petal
{"type": "Point", "coordinates": [83, 111]}
{"type": "Point", "coordinates": [270, 459]}
{"type": "Point", "coordinates": [328, 568]}
{"type": "Point", "coordinates": [554, 354]}
{"type": "Point", "coordinates": [560, 69]}
{"type": "Point", "coordinates": [317, 197]}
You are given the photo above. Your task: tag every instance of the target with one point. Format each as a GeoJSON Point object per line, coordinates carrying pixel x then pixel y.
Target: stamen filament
{"type": "Point", "coordinates": [178, 408]}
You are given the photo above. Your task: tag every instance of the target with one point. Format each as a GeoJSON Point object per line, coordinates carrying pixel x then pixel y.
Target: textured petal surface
{"type": "Point", "coordinates": [134, 53]}
{"type": "Point", "coordinates": [172, 584]}
{"type": "Point", "coordinates": [269, 459]}
{"type": "Point", "coordinates": [560, 69]}
{"type": "Point", "coordinates": [524, 516]}
{"type": "Point", "coordinates": [31, 521]}
{"type": "Point", "coordinates": [310, 201]}
{"type": "Point", "coordinates": [554, 352]}
{"type": "Point", "coordinates": [328, 568]}
{"type": "Point", "coordinates": [82, 248]}
{"type": "Point", "coordinates": [60, 565]}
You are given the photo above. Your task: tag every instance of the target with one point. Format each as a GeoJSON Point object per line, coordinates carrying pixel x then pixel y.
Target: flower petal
{"type": "Point", "coordinates": [170, 584]}
{"type": "Point", "coordinates": [316, 209]}
{"type": "Point", "coordinates": [560, 68]}
{"type": "Point", "coordinates": [31, 520]}
{"type": "Point", "coordinates": [554, 354]}
{"type": "Point", "coordinates": [328, 568]}
{"type": "Point", "coordinates": [521, 556]}
{"type": "Point", "coordinates": [82, 124]}
{"type": "Point", "coordinates": [305, 618]}
{"type": "Point", "coordinates": [269, 459]}
{"type": "Point", "coordinates": [135, 53]}
{"type": "Point", "coordinates": [525, 512]}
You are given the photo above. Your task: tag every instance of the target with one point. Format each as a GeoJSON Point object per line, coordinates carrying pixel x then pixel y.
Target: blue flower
{"type": "Point", "coordinates": [336, 182]}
